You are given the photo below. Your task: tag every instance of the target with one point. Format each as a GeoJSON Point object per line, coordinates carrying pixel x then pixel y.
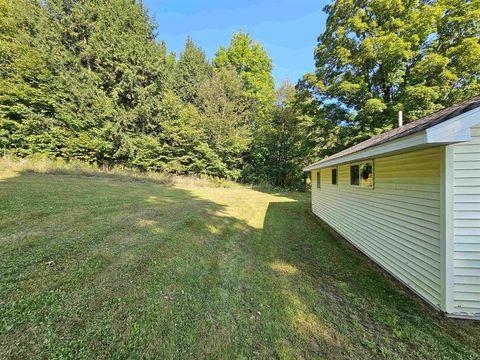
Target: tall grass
{"type": "Point", "coordinates": [58, 166]}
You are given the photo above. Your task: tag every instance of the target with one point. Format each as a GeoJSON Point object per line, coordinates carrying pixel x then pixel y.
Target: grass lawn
{"type": "Point", "coordinates": [106, 268]}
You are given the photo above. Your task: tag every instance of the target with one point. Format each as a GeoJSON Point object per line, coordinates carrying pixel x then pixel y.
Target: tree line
{"type": "Point", "coordinates": [88, 80]}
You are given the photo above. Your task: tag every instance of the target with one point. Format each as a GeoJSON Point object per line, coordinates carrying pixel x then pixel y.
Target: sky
{"type": "Point", "coordinates": [287, 29]}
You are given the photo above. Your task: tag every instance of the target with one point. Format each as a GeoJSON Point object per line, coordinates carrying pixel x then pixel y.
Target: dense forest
{"type": "Point", "coordinates": [89, 80]}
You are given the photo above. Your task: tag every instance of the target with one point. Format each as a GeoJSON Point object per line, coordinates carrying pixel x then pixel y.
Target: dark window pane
{"type": "Point", "coordinates": [334, 176]}
{"type": "Point", "coordinates": [354, 174]}
{"type": "Point", "coordinates": [318, 179]}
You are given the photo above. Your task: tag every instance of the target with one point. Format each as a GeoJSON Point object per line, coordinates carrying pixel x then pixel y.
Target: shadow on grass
{"type": "Point", "coordinates": [110, 267]}
{"type": "Point", "coordinates": [118, 269]}
{"type": "Point", "coordinates": [278, 192]}
{"type": "Point", "coordinates": [362, 308]}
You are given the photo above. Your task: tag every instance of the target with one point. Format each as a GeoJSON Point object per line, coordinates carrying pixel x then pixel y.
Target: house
{"type": "Point", "coordinates": [410, 200]}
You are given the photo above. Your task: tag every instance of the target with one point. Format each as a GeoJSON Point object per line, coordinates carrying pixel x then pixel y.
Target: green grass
{"type": "Point", "coordinates": [99, 267]}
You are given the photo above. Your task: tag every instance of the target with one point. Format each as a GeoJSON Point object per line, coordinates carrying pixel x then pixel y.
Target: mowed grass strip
{"type": "Point", "coordinates": [102, 268]}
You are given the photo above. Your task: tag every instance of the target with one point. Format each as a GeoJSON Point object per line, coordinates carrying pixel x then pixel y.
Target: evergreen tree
{"type": "Point", "coordinates": [191, 70]}
{"type": "Point", "coordinates": [225, 118]}
{"type": "Point", "coordinates": [27, 86]}
{"type": "Point", "coordinates": [113, 70]}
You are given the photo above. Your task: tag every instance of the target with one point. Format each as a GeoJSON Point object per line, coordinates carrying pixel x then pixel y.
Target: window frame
{"type": "Point", "coordinates": [319, 179]}
{"type": "Point", "coordinates": [359, 164]}
{"type": "Point", "coordinates": [336, 176]}
{"type": "Point", "coordinates": [351, 175]}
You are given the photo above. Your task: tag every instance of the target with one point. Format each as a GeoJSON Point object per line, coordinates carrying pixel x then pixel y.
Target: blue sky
{"type": "Point", "coordinates": [288, 29]}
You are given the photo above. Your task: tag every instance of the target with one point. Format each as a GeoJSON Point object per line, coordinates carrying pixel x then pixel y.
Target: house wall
{"type": "Point", "coordinates": [397, 222]}
{"type": "Point", "coordinates": [466, 226]}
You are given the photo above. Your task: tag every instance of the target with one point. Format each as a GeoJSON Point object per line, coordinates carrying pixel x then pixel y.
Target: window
{"type": "Point", "coordinates": [354, 174]}
{"type": "Point", "coordinates": [318, 179]}
{"type": "Point", "coordinates": [334, 176]}
{"type": "Point", "coordinates": [362, 174]}
{"type": "Point", "coordinates": [366, 174]}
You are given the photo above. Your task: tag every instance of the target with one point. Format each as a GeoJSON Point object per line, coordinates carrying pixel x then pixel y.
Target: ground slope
{"type": "Point", "coordinates": [95, 267]}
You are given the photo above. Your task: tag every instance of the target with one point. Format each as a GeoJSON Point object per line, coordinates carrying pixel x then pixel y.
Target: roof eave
{"type": "Point", "coordinates": [412, 141]}
{"type": "Point", "coordinates": [452, 131]}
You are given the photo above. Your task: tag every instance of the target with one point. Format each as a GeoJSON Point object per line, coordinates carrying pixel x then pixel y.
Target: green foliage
{"type": "Point", "coordinates": [191, 70]}
{"type": "Point", "coordinates": [87, 80]}
{"type": "Point", "coordinates": [277, 154]}
{"type": "Point", "coordinates": [224, 116]}
{"type": "Point", "coordinates": [380, 56]}
{"type": "Point", "coordinates": [27, 86]}
{"type": "Point", "coordinates": [253, 65]}
{"type": "Point", "coordinates": [176, 144]}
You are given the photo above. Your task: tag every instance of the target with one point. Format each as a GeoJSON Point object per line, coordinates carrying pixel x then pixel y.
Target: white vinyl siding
{"type": "Point", "coordinates": [466, 226]}
{"type": "Point", "coordinates": [397, 222]}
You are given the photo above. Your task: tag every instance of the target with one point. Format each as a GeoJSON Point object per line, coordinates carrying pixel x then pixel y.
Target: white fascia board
{"type": "Point", "coordinates": [454, 130]}
{"type": "Point", "coordinates": [407, 142]}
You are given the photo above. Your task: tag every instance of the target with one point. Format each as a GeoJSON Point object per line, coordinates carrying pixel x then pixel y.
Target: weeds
{"type": "Point", "coordinates": [58, 166]}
